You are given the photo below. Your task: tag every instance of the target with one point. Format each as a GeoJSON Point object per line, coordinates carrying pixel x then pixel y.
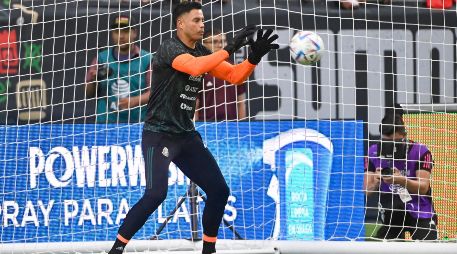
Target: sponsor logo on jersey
{"type": "Point", "coordinates": [184, 106]}
{"type": "Point", "coordinates": [185, 97]}
{"type": "Point", "coordinates": [196, 78]}
{"type": "Point", "coordinates": [191, 88]}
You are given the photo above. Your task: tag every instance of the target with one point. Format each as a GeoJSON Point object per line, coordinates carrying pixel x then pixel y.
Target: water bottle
{"type": "Point", "coordinates": [302, 160]}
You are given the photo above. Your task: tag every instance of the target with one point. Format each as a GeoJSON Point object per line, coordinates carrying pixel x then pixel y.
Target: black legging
{"type": "Point", "coordinates": [195, 161]}
{"type": "Point", "coordinates": [398, 222]}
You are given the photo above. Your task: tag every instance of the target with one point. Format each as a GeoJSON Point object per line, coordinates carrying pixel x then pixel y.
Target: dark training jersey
{"type": "Point", "coordinates": [171, 106]}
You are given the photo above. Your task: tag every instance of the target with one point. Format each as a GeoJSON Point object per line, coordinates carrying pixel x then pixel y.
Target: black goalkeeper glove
{"type": "Point", "coordinates": [241, 39]}
{"type": "Point", "coordinates": [262, 45]}
{"type": "Point", "coordinates": [103, 72]}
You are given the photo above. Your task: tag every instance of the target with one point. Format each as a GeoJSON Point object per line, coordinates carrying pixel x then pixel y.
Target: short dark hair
{"type": "Point", "coordinates": [184, 7]}
{"type": "Point", "coordinates": [393, 122]}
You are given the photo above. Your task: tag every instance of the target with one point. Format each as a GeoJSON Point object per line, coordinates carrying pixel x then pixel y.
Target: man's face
{"type": "Point", "coordinates": [395, 136]}
{"type": "Point", "coordinates": [393, 146]}
{"type": "Point", "coordinates": [191, 23]}
{"type": "Point", "coordinates": [123, 37]}
{"type": "Point", "coordinates": [215, 43]}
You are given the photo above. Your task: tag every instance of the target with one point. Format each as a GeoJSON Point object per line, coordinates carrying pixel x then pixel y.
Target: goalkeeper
{"type": "Point", "coordinates": [400, 169]}
{"type": "Point", "coordinates": [169, 134]}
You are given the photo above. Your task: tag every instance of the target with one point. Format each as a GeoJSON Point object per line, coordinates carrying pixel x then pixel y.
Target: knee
{"type": "Point", "coordinates": [225, 192]}
{"type": "Point", "coordinates": [152, 198]}
{"type": "Point", "coordinates": [221, 193]}
{"type": "Point", "coordinates": [155, 195]}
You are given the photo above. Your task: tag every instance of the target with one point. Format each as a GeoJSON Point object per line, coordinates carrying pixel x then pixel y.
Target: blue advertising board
{"type": "Point", "coordinates": [298, 180]}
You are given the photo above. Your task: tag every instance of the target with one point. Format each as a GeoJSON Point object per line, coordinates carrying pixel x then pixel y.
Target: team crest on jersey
{"type": "Point", "coordinates": [165, 152]}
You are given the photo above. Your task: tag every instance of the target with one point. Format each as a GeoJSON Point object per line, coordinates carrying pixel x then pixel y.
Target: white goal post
{"type": "Point", "coordinates": [237, 247]}
{"type": "Point", "coordinates": [430, 108]}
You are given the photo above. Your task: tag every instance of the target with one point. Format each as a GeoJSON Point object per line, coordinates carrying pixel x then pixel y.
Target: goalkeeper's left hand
{"type": "Point", "coordinates": [262, 45]}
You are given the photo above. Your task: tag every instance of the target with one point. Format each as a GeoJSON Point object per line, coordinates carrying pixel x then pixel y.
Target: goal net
{"type": "Point", "coordinates": [291, 142]}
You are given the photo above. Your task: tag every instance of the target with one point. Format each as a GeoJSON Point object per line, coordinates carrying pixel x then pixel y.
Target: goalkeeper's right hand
{"type": "Point", "coordinates": [103, 72]}
{"type": "Point", "coordinates": [241, 39]}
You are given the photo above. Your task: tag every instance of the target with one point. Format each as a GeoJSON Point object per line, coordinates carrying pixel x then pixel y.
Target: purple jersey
{"type": "Point", "coordinates": [418, 157]}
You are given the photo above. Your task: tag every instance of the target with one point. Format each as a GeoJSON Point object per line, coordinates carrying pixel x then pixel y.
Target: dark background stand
{"type": "Point", "coordinates": [192, 193]}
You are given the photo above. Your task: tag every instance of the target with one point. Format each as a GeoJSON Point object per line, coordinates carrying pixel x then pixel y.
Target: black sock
{"type": "Point", "coordinates": [209, 247]}
{"type": "Point", "coordinates": [118, 247]}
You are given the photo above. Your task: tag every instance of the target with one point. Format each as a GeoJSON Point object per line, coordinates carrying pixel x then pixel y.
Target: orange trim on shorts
{"type": "Point", "coordinates": [209, 239]}
{"type": "Point", "coordinates": [122, 239]}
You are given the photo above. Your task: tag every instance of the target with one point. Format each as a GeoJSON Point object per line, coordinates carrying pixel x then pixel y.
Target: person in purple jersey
{"type": "Point", "coordinates": [400, 170]}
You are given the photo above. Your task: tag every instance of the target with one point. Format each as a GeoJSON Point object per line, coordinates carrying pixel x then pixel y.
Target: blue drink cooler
{"type": "Point", "coordinates": [301, 160]}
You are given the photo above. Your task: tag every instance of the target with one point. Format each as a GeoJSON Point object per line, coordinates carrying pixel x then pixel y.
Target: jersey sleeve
{"type": "Point", "coordinates": [369, 166]}
{"type": "Point", "coordinates": [426, 162]}
{"type": "Point", "coordinates": [372, 152]}
{"type": "Point", "coordinates": [235, 74]}
{"type": "Point", "coordinates": [195, 66]}
{"type": "Point", "coordinates": [92, 71]}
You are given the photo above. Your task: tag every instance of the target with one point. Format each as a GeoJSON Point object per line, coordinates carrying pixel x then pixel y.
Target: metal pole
{"type": "Point", "coordinates": [193, 195]}
{"type": "Point", "coordinates": [172, 213]}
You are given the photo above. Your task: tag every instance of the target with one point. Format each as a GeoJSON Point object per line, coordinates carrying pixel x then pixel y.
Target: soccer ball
{"type": "Point", "coordinates": [306, 47]}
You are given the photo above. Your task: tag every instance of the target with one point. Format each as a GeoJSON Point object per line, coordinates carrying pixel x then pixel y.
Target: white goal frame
{"type": "Point", "coordinates": [429, 108]}
{"type": "Point", "coordinates": [240, 247]}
